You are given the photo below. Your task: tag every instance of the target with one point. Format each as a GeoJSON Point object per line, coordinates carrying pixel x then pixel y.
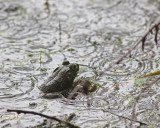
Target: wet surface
{"type": "Point", "coordinates": [35, 37]}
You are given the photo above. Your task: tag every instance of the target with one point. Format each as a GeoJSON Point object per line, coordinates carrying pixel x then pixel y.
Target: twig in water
{"type": "Point", "coordinates": [60, 31]}
{"type": "Point", "coordinates": [155, 39]}
{"type": "Point", "coordinates": [143, 39]}
{"type": "Point", "coordinates": [141, 123]}
{"type": "Point", "coordinates": [138, 97]}
{"type": "Point", "coordinates": [46, 116]}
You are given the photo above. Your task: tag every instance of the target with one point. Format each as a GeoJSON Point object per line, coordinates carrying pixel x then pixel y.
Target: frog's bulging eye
{"type": "Point", "coordinates": [75, 67]}
{"type": "Point", "coordinates": [65, 62]}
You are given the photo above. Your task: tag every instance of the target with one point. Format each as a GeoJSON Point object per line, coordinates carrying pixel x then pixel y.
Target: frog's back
{"type": "Point", "coordinates": [61, 79]}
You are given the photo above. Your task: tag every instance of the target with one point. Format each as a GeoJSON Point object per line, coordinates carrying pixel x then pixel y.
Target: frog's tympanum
{"type": "Point", "coordinates": [61, 79]}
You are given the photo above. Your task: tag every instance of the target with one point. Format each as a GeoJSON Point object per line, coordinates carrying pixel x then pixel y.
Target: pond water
{"type": "Point", "coordinates": [37, 35]}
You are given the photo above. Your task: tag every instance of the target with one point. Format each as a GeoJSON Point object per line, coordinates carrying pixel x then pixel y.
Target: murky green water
{"type": "Point", "coordinates": [95, 33]}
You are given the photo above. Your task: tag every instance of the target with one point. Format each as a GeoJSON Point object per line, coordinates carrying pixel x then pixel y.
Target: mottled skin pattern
{"type": "Point", "coordinates": [61, 79]}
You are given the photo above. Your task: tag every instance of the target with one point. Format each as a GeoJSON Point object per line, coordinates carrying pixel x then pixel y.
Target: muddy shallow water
{"type": "Point", "coordinates": [36, 36]}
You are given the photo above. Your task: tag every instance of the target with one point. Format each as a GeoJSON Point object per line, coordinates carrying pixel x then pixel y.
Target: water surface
{"type": "Point", "coordinates": [35, 37]}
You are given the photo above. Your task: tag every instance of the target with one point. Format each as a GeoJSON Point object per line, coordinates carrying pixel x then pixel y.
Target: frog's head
{"type": "Point", "coordinates": [74, 67]}
{"type": "Point", "coordinates": [69, 72]}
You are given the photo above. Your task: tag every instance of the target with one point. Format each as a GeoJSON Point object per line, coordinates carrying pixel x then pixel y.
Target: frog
{"type": "Point", "coordinates": [61, 80]}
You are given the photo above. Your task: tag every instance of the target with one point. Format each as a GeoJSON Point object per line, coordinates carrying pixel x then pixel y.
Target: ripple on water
{"type": "Point", "coordinates": [14, 87]}
{"type": "Point", "coordinates": [14, 9]}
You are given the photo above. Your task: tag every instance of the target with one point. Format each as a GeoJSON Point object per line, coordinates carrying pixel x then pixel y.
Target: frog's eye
{"type": "Point", "coordinates": [75, 67]}
{"type": "Point", "coordinates": [65, 62]}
